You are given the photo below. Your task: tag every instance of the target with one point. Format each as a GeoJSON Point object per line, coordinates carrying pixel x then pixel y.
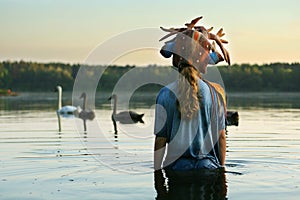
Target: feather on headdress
{"type": "Point", "coordinates": [191, 45]}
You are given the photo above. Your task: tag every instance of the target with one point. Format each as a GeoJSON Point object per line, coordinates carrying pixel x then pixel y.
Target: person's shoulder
{"type": "Point", "coordinates": [205, 91]}
{"type": "Point", "coordinates": [167, 90]}
{"type": "Point", "coordinates": [218, 89]}
{"type": "Point", "coordinates": [203, 84]}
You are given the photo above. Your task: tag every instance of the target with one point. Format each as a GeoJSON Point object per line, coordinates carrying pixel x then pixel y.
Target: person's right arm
{"type": "Point", "coordinates": [222, 145]}
{"type": "Point", "coordinates": [221, 112]}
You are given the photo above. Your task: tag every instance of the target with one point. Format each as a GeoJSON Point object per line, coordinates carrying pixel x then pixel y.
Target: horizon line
{"type": "Point", "coordinates": [144, 65]}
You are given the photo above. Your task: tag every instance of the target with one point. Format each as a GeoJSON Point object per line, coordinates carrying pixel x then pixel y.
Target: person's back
{"type": "Point", "coordinates": [190, 113]}
{"type": "Point", "coordinates": [189, 140]}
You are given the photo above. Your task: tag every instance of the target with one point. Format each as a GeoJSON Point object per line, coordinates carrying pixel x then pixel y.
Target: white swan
{"type": "Point", "coordinates": [65, 111]}
{"type": "Point", "coordinates": [85, 114]}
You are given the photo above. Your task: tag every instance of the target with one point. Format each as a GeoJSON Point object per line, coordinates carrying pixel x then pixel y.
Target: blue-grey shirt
{"type": "Point", "coordinates": [195, 138]}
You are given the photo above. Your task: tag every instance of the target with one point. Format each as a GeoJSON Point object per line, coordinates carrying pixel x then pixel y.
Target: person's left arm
{"type": "Point", "coordinates": [159, 151]}
{"type": "Point", "coordinates": [160, 129]}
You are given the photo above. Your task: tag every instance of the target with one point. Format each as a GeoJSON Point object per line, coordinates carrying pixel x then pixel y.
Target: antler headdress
{"type": "Point", "coordinates": [192, 46]}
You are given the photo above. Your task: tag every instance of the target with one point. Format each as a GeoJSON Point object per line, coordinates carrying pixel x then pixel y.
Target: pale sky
{"type": "Point", "coordinates": [258, 31]}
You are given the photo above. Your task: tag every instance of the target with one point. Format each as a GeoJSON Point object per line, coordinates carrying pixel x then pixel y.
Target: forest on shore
{"type": "Point", "coordinates": [32, 76]}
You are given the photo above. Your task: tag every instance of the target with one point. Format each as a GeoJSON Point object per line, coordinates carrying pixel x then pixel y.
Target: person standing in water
{"type": "Point", "coordinates": [190, 112]}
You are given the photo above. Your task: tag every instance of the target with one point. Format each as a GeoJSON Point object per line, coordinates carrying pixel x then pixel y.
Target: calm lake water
{"type": "Point", "coordinates": [38, 162]}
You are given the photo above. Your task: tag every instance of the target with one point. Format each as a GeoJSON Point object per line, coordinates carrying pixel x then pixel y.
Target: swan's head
{"type": "Point", "coordinates": [114, 96]}
{"type": "Point", "coordinates": [83, 95]}
{"type": "Point", "coordinates": [58, 88]}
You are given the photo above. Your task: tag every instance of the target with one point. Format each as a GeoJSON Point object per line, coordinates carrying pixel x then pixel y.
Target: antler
{"type": "Point", "coordinates": [173, 31]}
{"type": "Point", "coordinates": [193, 22]}
{"type": "Point", "coordinates": [221, 34]}
{"type": "Point", "coordinates": [220, 42]}
{"type": "Point", "coordinates": [203, 30]}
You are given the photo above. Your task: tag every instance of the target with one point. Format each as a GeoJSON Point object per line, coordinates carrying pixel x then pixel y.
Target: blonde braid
{"type": "Point", "coordinates": [188, 95]}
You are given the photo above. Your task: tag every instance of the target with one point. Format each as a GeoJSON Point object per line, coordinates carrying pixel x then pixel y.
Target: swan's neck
{"type": "Point", "coordinates": [115, 106]}
{"type": "Point", "coordinates": [59, 100]}
{"type": "Point", "coordinates": [84, 103]}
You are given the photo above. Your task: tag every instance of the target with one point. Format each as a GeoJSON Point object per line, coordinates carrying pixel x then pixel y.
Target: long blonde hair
{"type": "Point", "coordinates": [188, 101]}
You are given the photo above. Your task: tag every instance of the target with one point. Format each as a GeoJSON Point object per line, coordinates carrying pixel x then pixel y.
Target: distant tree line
{"type": "Point", "coordinates": [31, 76]}
{"type": "Point", "coordinates": [268, 77]}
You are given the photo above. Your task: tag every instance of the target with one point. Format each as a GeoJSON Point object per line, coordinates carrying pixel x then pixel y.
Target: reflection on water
{"type": "Point", "coordinates": [198, 184]}
{"type": "Point", "coordinates": [116, 136]}
{"type": "Point", "coordinates": [38, 162]}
